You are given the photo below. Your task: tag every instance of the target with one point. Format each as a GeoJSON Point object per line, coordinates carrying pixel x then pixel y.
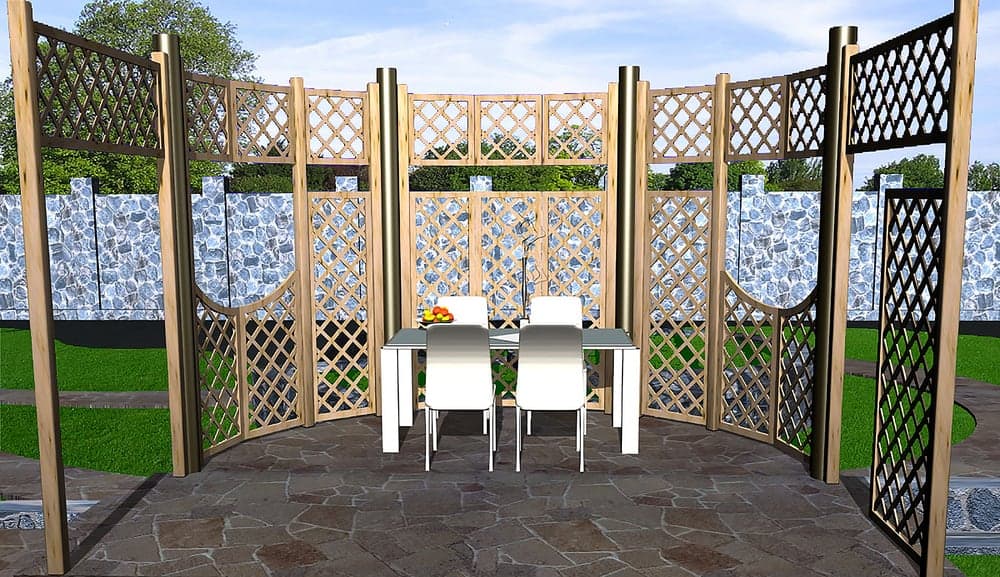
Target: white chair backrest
{"type": "Point", "coordinates": [459, 372]}
{"type": "Point", "coordinates": [546, 310]}
{"type": "Point", "coordinates": [548, 368]}
{"type": "Point", "coordinates": [467, 310]}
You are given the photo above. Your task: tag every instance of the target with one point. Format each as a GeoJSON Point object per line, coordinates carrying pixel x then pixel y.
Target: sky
{"type": "Point", "coordinates": [555, 46]}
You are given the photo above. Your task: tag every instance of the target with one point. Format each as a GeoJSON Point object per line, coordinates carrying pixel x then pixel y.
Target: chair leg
{"type": "Point", "coordinates": [529, 422]}
{"type": "Point", "coordinates": [485, 419]}
{"type": "Point", "coordinates": [583, 419]}
{"type": "Point", "coordinates": [434, 429]}
{"type": "Point", "coordinates": [427, 439]}
{"type": "Point", "coordinates": [517, 458]}
{"type": "Point", "coordinates": [493, 434]}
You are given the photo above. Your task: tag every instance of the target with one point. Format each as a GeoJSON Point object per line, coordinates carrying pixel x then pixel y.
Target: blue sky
{"type": "Point", "coordinates": [539, 46]}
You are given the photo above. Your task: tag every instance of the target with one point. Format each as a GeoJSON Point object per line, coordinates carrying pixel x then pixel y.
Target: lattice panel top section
{"type": "Point", "coordinates": [680, 126]}
{"type": "Point", "coordinates": [902, 89]}
{"type": "Point", "coordinates": [440, 125]}
{"type": "Point", "coordinates": [508, 129]}
{"type": "Point", "coordinates": [806, 112]}
{"type": "Point", "coordinates": [207, 103]}
{"type": "Point", "coordinates": [575, 128]}
{"type": "Point", "coordinates": [336, 127]}
{"type": "Point", "coordinates": [95, 97]}
{"type": "Point", "coordinates": [756, 116]}
{"type": "Point", "coordinates": [262, 123]}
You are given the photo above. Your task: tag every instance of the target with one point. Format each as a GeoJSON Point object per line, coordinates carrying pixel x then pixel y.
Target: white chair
{"type": "Point", "coordinates": [556, 310]}
{"type": "Point", "coordinates": [459, 377]}
{"type": "Point", "coordinates": [467, 310]}
{"type": "Point", "coordinates": [549, 376]}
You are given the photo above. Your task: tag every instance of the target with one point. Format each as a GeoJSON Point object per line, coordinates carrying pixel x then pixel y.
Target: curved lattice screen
{"type": "Point", "coordinates": [219, 340]}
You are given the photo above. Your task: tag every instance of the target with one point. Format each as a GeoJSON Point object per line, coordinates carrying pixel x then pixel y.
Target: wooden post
{"type": "Point", "coordinates": [609, 247]}
{"type": "Point", "coordinates": [717, 251]}
{"type": "Point", "coordinates": [305, 318]}
{"type": "Point", "coordinates": [833, 257]}
{"type": "Point", "coordinates": [956, 170]}
{"type": "Point", "coordinates": [36, 259]}
{"type": "Point", "coordinates": [178, 262]}
{"type": "Point", "coordinates": [376, 325]}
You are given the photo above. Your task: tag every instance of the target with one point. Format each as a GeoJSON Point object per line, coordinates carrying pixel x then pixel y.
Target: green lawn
{"type": "Point", "coordinates": [977, 356]}
{"type": "Point", "coordinates": [83, 368]}
{"type": "Point", "coordinates": [977, 565]}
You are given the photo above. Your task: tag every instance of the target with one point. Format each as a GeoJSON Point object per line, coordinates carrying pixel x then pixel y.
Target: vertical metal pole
{"type": "Point", "coordinates": [827, 392]}
{"type": "Point", "coordinates": [717, 255]}
{"type": "Point", "coordinates": [178, 261]}
{"type": "Point", "coordinates": [36, 259]}
{"type": "Point", "coordinates": [389, 176]}
{"type": "Point", "coordinates": [628, 79]}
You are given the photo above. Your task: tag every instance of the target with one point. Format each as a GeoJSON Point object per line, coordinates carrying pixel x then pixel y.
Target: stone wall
{"type": "Point", "coordinates": [105, 249]}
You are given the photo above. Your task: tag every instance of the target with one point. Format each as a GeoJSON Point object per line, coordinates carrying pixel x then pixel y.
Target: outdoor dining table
{"type": "Point", "coordinates": [397, 379]}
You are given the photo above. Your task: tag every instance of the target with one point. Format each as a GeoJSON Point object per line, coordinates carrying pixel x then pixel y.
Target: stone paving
{"type": "Point", "coordinates": [326, 501]}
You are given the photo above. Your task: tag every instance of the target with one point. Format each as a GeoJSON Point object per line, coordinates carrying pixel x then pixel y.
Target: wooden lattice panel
{"type": "Point", "coordinates": [747, 369]}
{"type": "Point", "coordinates": [680, 124]}
{"type": "Point", "coordinates": [207, 101]}
{"type": "Point", "coordinates": [508, 127]}
{"type": "Point", "coordinates": [218, 342]}
{"type": "Point", "coordinates": [907, 374]}
{"type": "Point", "coordinates": [341, 289]}
{"type": "Point", "coordinates": [273, 379]}
{"type": "Point", "coordinates": [678, 253]}
{"type": "Point", "coordinates": [441, 129]}
{"type": "Point", "coordinates": [806, 113]}
{"type": "Point", "coordinates": [94, 97]}
{"type": "Point", "coordinates": [336, 127]}
{"type": "Point", "coordinates": [574, 128]}
{"type": "Point", "coordinates": [797, 379]}
{"type": "Point", "coordinates": [756, 117]}
{"type": "Point", "coordinates": [573, 247]}
{"type": "Point", "coordinates": [902, 89]}
{"type": "Point", "coordinates": [507, 220]}
{"type": "Point", "coordinates": [440, 246]}
{"type": "Point", "coordinates": [262, 123]}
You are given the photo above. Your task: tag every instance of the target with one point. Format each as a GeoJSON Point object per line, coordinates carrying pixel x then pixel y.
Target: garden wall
{"type": "Point", "coordinates": [105, 249]}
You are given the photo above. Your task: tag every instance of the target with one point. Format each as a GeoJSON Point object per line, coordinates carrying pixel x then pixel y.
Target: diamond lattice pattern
{"type": "Point", "coordinates": [504, 219]}
{"type": "Point", "coordinates": [907, 384]}
{"type": "Point", "coordinates": [678, 286]}
{"type": "Point", "coordinates": [797, 377]}
{"type": "Point", "coordinates": [902, 89]}
{"type": "Point", "coordinates": [575, 127]}
{"type": "Point", "coordinates": [262, 123]}
{"type": "Point", "coordinates": [508, 129]}
{"type": "Point", "coordinates": [574, 250]}
{"type": "Point", "coordinates": [340, 280]}
{"type": "Point", "coordinates": [93, 97]}
{"type": "Point", "coordinates": [217, 375]}
{"type": "Point", "coordinates": [806, 111]}
{"type": "Point", "coordinates": [272, 374]}
{"type": "Point", "coordinates": [441, 262]}
{"type": "Point", "coordinates": [756, 121]}
{"type": "Point", "coordinates": [746, 396]}
{"type": "Point", "coordinates": [680, 125]}
{"type": "Point", "coordinates": [208, 134]}
{"type": "Point", "coordinates": [336, 126]}
{"type": "Point", "coordinates": [440, 129]}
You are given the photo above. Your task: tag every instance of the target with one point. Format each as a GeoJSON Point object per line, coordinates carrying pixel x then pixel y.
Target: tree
{"type": "Point", "coordinates": [984, 176]}
{"type": "Point", "coordinates": [795, 174]}
{"type": "Point", "coordinates": [921, 171]}
{"type": "Point", "coordinates": [691, 176]}
{"type": "Point", "coordinates": [207, 46]}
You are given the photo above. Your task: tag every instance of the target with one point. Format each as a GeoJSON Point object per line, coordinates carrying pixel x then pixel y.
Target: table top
{"type": "Point", "coordinates": [507, 339]}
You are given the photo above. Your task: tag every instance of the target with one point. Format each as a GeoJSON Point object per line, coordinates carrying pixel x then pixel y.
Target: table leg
{"type": "Point", "coordinates": [616, 390]}
{"type": "Point", "coordinates": [406, 393]}
{"type": "Point", "coordinates": [390, 400]}
{"type": "Point", "coordinates": [630, 401]}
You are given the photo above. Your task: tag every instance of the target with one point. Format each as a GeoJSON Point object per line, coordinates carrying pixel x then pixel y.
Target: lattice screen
{"type": "Point", "coordinates": [806, 113]}
{"type": "Point", "coordinates": [677, 283]}
{"type": "Point", "coordinates": [273, 379]}
{"type": "Point", "coordinates": [575, 128]}
{"type": "Point", "coordinates": [207, 102]}
{"type": "Point", "coordinates": [218, 342]}
{"type": "Point", "coordinates": [262, 119]}
{"type": "Point", "coordinates": [94, 97]}
{"type": "Point", "coordinates": [336, 127]}
{"type": "Point", "coordinates": [440, 128]}
{"type": "Point", "coordinates": [902, 89]}
{"type": "Point", "coordinates": [342, 283]}
{"type": "Point", "coordinates": [509, 129]}
{"type": "Point", "coordinates": [907, 373]}
{"type": "Point", "coordinates": [796, 375]}
{"type": "Point", "coordinates": [756, 117]}
{"type": "Point", "coordinates": [573, 249]}
{"type": "Point", "coordinates": [440, 241]}
{"type": "Point", "coordinates": [680, 124]}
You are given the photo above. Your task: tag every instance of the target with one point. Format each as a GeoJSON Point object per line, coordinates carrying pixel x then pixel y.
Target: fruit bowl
{"type": "Point", "coordinates": [435, 316]}
{"type": "Point", "coordinates": [424, 324]}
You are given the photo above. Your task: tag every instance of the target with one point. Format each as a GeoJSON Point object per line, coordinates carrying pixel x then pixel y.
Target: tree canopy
{"type": "Point", "coordinates": [698, 175]}
{"type": "Point", "coordinates": [984, 176]}
{"type": "Point", "coordinates": [921, 171]}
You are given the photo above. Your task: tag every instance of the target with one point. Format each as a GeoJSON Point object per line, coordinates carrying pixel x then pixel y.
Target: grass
{"type": "Point", "coordinates": [130, 441]}
{"type": "Point", "coordinates": [977, 565]}
{"type": "Point", "coordinates": [976, 355]}
{"type": "Point", "coordinates": [83, 368]}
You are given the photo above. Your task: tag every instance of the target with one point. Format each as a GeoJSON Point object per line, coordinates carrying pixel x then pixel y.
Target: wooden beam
{"type": "Point", "coordinates": [36, 259]}
{"type": "Point", "coordinates": [305, 318]}
{"type": "Point", "coordinates": [717, 251]}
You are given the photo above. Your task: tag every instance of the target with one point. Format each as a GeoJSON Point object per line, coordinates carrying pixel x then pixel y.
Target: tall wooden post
{"type": "Point", "coordinates": [305, 318]}
{"type": "Point", "coordinates": [628, 79]}
{"type": "Point", "coordinates": [717, 251]}
{"type": "Point", "coordinates": [956, 170]}
{"type": "Point", "coordinates": [36, 259]}
{"type": "Point", "coordinates": [833, 257]}
{"type": "Point", "coordinates": [178, 262]}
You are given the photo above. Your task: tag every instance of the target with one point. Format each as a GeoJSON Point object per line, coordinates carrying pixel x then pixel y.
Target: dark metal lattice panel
{"type": "Point", "coordinates": [806, 113]}
{"type": "Point", "coordinates": [907, 373]}
{"type": "Point", "coordinates": [902, 90]}
{"type": "Point", "coordinates": [797, 375]}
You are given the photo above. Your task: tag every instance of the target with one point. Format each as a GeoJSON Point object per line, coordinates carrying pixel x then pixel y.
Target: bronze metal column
{"type": "Point", "coordinates": [628, 79]}
{"type": "Point", "coordinates": [389, 177]}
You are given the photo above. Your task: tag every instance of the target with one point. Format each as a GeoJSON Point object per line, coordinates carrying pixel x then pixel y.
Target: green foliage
{"type": "Point", "coordinates": [278, 177]}
{"type": "Point", "coordinates": [921, 171]}
{"type": "Point", "coordinates": [977, 565]}
{"type": "Point", "coordinates": [795, 174]}
{"type": "Point", "coordinates": [507, 178]}
{"type": "Point", "coordinates": [984, 176]}
{"type": "Point", "coordinates": [698, 175]}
